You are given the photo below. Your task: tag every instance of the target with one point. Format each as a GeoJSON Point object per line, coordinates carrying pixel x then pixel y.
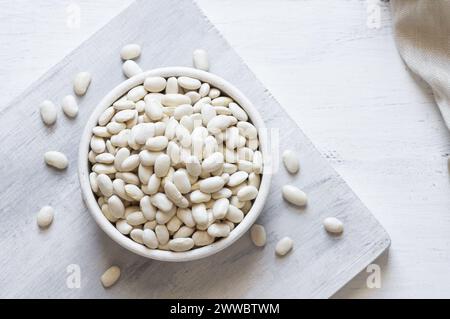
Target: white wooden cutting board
{"type": "Point", "coordinates": [37, 263]}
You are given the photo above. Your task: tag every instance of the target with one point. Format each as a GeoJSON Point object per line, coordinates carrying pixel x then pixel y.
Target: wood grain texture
{"type": "Point", "coordinates": [34, 262]}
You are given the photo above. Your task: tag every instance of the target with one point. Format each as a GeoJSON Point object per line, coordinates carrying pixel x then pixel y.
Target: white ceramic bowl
{"type": "Point", "coordinates": [88, 195]}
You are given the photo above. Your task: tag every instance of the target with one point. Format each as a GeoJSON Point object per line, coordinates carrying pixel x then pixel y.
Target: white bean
{"type": "Point", "coordinates": [136, 235]}
{"type": "Point", "coordinates": [106, 211]}
{"type": "Point", "coordinates": [144, 174]}
{"type": "Point", "coordinates": [127, 177]}
{"type": "Point", "coordinates": [116, 206]}
{"type": "Point", "coordinates": [258, 235]}
{"type": "Point", "coordinates": [174, 195]}
{"type": "Point", "coordinates": [213, 162]}
{"type": "Point", "coordinates": [198, 197]}
{"type": "Point", "coordinates": [175, 99]}
{"type": "Point", "coordinates": [183, 135]}
{"type": "Point", "coordinates": [101, 131]}
{"type": "Point", "coordinates": [247, 193]}
{"type": "Point", "coordinates": [208, 113]}
{"type": "Point", "coordinates": [124, 104]}
{"type": "Point", "coordinates": [136, 218]}
{"type": "Point", "coordinates": [56, 159]}
{"type": "Point", "coordinates": [149, 238]}
{"type": "Point", "coordinates": [254, 180]}
{"type": "Point", "coordinates": [123, 227]}
{"type": "Point", "coordinates": [153, 185]}
{"type": "Point", "coordinates": [245, 166]}
{"type": "Point", "coordinates": [189, 83]}
{"type": "Point", "coordinates": [162, 234]}
{"type": "Point", "coordinates": [160, 201]}
{"type": "Point", "coordinates": [136, 93]}
{"type": "Point", "coordinates": [204, 89]}
{"type": "Point", "coordinates": [238, 112]}
{"type": "Point", "coordinates": [154, 110]}
{"type": "Point", "coordinates": [290, 161]}
{"type": "Point", "coordinates": [150, 225]}
{"type": "Point", "coordinates": [294, 195]}
{"type": "Point", "coordinates": [182, 110]}
{"type": "Point", "coordinates": [70, 106]}
{"type": "Point", "coordinates": [147, 208]}
{"type": "Point", "coordinates": [223, 193]}
{"type": "Point", "coordinates": [105, 185]}
{"type": "Point", "coordinates": [157, 143]}
{"type": "Point", "coordinates": [131, 68]}
{"type": "Point", "coordinates": [211, 185]}
{"type": "Point", "coordinates": [199, 214]}
{"type": "Point", "coordinates": [220, 123]}
{"type": "Point", "coordinates": [219, 230]}
{"type": "Point", "coordinates": [45, 216]}
{"type": "Point", "coordinates": [110, 276]}
{"type": "Point", "coordinates": [185, 215]}
{"type": "Point", "coordinates": [284, 246]}
{"type": "Point", "coordinates": [162, 218]}
{"type": "Point", "coordinates": [229, 168]}
{"type": "Point", "coordinates": [162, 165]}
{"type": "Point", "coordinates": [148, 158]}
{"type": "Point", "coordinates": [201, 60]}
{"type": "Point", "coordinates": [81, 83]}
{"type": "Point", "coordinates": [220, 208]}
{"type": "Point", "coordinates": [98, 144]}
{"type": "Point", "coordinates": [125, 115]}
{"type": "Point", "coordinates": [181, 181]}
{"type": "Point", "coordinates": [48, 112]}
{"type": "Point", "coordinates": [257, 162]}
{"type": "Point", "coordinates": [174, 224]}
{"type": "Point", "coordinates": [221, 101]}
{"type": "Point", "coordinates": [202, 238]}
{"type": "Point", "coordinates": [184, 232]}
{"type": "Point", "coordinates": [234, 214]}
{"type": "Point", "coordinates": [194, 96]}
{"type": "Point", "coordinates": [104, 169]}
{"type": "Point", "coordinates": [193, 166]}
{"type": "Point", "coordinates": [134, 192]}
{"type": "Point", "coordinates": [333, 225]}
{"type": "Point", "coordinates": [214, 93]}
{"type": "Point", "coordinates": [237, 178]}
{"type": "Point", "coordinates": [172, 86]}
{"type": "Point", "coordinates": [93, 181]}
{"type": "Point", "coordinates": [155, 84]}
{"type": "Point", "coordinates": [106, 116]}
{"type": "Point", "coordinates": [181, 244]}
{"type": "Point", "coordinates": [130, 52]}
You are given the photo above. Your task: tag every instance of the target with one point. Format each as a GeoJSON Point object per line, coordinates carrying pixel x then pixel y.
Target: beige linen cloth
{"type": "Point", "coordinates": [422, 32]}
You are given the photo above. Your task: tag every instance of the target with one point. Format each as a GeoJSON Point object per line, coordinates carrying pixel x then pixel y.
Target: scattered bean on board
{"type": "Point", "coordinates": [284, 246]}
{"type": "Point", "coordinates": [81, 83]}
{"type": "Point", "coordinates": [110, 276]}
{"type": "Point", "coordinates": [333, 225]}
{"type": "Point", "coordinates": [258, 235]}
{"type": "Point", "coordinates": [45, 216]}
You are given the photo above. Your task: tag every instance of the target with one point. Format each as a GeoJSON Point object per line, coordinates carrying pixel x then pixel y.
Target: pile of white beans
{"type": "Point", "coordinates": [175, 164]}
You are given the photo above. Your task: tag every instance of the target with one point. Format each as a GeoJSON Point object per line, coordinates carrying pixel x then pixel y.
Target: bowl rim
{"type": "Point", "coordinates": [110, 229]}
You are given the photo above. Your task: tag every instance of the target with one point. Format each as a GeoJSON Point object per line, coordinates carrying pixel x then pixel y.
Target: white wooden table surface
{"type": "Point", "coordinates": [342, 82]}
